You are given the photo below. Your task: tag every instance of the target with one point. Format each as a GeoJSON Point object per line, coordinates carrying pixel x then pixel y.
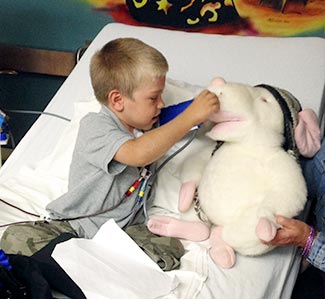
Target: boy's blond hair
{"type": "Point", "coordinates": [124, 64]}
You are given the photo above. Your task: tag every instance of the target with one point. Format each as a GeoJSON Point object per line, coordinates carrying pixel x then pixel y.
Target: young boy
{"type": "Point", "coordinates": [128, 78]}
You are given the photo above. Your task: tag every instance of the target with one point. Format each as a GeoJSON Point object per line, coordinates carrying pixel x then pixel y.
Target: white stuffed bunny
{"type": "Point", "coordinates": [253, 176]}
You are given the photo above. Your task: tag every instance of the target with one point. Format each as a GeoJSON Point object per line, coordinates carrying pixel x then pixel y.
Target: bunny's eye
{"type": "Point", "coordinates": [263, 99]}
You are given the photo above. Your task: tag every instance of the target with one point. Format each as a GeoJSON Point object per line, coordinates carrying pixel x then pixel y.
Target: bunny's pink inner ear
{"type": "Point", "coordinates": [218, 81]}
{"type": "Point", "coordinates": [307, 133]}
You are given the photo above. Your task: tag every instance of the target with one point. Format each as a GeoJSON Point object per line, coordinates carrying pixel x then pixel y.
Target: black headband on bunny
{"type": "Point", "coordinates": [290, 107]}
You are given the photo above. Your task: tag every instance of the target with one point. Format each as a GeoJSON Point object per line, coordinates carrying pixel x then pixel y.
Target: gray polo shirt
{"type": "Point", "coordinates": [96, 181]}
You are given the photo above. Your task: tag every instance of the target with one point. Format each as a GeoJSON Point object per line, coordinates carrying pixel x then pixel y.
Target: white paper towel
{"type": "Point", "coordinates": [111, 265]}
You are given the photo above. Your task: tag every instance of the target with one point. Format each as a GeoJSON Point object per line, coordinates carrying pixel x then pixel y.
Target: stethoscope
{"type": "Point", "coordinates": [144, 183]}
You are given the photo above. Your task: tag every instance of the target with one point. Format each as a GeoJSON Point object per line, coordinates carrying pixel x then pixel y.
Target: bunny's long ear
{"type": "Point", "coordinates": [307, 133]}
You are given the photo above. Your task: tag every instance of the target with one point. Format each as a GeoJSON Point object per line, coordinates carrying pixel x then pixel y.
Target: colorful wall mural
{"type": "Point", "coordinates": [241, 17]}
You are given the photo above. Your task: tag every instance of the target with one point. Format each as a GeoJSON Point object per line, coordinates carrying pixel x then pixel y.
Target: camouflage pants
{"type": "Point", "coordinates": [165, 251]}
{"type": "Point", "coordinates": [29, 237]}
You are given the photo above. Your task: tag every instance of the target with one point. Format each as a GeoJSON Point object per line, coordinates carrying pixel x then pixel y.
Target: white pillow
{"type": "Point", "coordinates": [57, 164]}
{"type": "Point", "coordinates": [177, 91]}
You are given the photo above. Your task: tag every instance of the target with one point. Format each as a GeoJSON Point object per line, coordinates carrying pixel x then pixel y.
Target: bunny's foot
{"type": "Point", "coordinates": [172, 227]}
{"type": "Point", "coordinates": [221, 253]}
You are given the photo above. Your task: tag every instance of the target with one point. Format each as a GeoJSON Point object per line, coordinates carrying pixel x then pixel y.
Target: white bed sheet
{"type": "Point", "coordinates": [33, 175]}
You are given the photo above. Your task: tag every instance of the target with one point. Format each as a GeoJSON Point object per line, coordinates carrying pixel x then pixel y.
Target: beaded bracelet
{"type": "Point", "coordinates": [310, 241]}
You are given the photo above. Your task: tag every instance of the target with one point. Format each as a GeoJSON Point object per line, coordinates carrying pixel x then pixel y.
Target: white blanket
{"type": "Point", "coordinates": [100, 266]}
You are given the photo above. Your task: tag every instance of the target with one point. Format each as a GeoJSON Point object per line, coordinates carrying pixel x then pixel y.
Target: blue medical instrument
{"type": "Point", "coordinates": [170, 112]}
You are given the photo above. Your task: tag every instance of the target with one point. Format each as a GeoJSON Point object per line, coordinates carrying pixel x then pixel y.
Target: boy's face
{"type": "Point", "coordinates": [141, 112]}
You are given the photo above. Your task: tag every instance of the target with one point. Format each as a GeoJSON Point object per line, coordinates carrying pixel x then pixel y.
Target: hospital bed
{"type": "Point", "coordinates": [37, 170]}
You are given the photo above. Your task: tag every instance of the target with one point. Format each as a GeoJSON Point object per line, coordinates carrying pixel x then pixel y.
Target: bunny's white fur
{"type": "Point", "coordinates": [246, 182]}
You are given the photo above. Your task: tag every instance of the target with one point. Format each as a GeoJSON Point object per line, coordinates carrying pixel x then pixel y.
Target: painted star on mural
{"type": "Point", "coordinates": [164, 5]}
{"type": "Point", "coordinates": [241, 17]}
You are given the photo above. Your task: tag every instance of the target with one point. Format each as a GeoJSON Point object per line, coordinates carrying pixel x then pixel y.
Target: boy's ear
{"type": "Point", "coordinates": [115, 100]}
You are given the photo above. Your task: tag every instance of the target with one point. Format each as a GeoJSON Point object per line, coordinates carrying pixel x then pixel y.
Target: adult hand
{"type": "Point", "coordinates": [292, 232]}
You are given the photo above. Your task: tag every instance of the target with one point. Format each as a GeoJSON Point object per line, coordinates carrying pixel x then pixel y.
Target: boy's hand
{"type": "Point", "coordinates": [293, 232]}
{"type": "Point", "coordinates": [154, 144]}
{"type": "Point", "coordinates": [204, 105]}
